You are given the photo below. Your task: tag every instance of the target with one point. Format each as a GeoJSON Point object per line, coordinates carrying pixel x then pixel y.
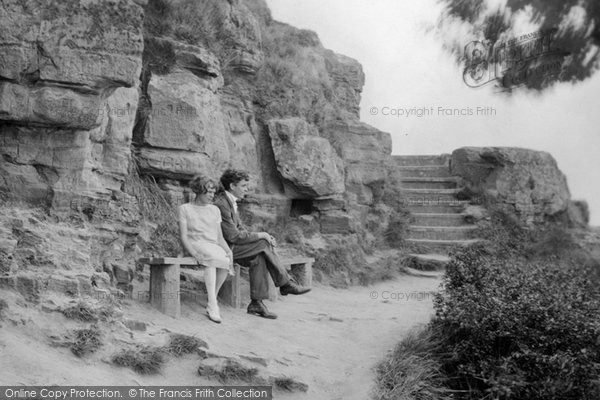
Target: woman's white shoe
{"type": "Point", "coordinates": [213, 314]}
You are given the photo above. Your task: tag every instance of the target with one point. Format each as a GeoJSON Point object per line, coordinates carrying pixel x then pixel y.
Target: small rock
{"type": "Point", "coordinates": [49, 308]}
{"type": "Point", "coordinates": [309, 355]}
{"type": "Point", "coordinates": [258, 360]}
{"type": "Point", "coordinates": [207, 354]}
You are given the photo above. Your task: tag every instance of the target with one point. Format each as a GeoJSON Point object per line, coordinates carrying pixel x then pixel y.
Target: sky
{"type": "Point", "coordinates": [407, 68]}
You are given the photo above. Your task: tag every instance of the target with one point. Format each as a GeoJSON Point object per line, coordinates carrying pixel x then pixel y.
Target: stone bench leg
{"type": "Point", "coordinates": [164, 289]}
{"type": "Point", "coordinates": [303, 273]}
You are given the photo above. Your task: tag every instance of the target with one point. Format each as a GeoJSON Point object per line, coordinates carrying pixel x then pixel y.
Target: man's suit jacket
{"type": "Point", "coordinates": [234, 231]}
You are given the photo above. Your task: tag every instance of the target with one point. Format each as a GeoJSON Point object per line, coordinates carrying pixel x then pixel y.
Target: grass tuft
{"type": "Point", "coordinates": [85, 312]}
{"type": "Point", "coordinates": [184, 344]}
{"type": "Point", "coordinates": [3, 306]}
{"type": "Point", "coordinates": [146, 360]}
{"type": "Point", "coordinates": [86, 341]}
{"type": "Point", "coordinates": [231, 371]}
{"type": "Point", "coordinates": [289, 385]}
{"type": "Point", "coordinates": [156, 208]}
{"type": "Point", "coordinates": [412, 371]}
{"type": "Point", "coordinates": [81, 312]}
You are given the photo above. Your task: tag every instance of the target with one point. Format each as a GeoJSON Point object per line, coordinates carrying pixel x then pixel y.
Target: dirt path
{"type": "Point", "coordinates": [329, 339]}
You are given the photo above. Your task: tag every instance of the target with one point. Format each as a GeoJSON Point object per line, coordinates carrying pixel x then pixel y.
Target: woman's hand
{"type": "Point", "coordinates": [231, 270]}
{"type": "Point", "coordinates": [198, 257]}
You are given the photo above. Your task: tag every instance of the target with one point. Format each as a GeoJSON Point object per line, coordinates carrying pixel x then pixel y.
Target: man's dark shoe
{"type": "Point", "coordinates": [292, 288]}
{"type": "Point", "coordinates": [256, 307]}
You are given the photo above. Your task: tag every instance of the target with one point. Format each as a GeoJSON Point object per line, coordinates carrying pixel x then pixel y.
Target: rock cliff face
{"type": "Point", "coordinates": [68, 77]}
{"type": "Point", "coordinates": [261, 96]}
{"type": "Point", "coordinates": [92, 91]}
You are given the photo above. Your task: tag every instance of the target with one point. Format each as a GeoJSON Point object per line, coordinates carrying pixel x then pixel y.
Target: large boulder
{"type": "Point", "coordinates": [523, 181]}
{"type": "Point", "coordinates": [50, 166]}
{"type": "Point", "coordinates": [305, 160]}
{"type": "Point", "coordinates": [186, 131]}
{"type": "Point", "coordinates": [366, 154]}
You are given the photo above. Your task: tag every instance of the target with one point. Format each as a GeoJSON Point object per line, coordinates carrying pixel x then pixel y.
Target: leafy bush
{"type": "Point", "coordinates": [519, 328]}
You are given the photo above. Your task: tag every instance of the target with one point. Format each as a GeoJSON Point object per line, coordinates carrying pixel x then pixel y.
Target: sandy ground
{"type": "Point", "coordinates": [329, 339]}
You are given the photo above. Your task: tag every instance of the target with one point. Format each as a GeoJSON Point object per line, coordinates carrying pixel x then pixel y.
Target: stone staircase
{"type": "Point", "coordinates": [437, 218]}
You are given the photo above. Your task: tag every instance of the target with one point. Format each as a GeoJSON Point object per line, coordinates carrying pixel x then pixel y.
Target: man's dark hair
{"type": "Point", "coordinates": [233, 176]}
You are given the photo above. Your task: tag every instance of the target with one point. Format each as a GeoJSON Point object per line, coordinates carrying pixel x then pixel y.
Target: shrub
{"type": "Point", "coordinates": [504, 233]}
{"type": "Point", "coordinates": [146, 360]}
{"type": "Point", "coordinates": [86, 341]}
{"type": "Point", "coordinates": [519, 329]}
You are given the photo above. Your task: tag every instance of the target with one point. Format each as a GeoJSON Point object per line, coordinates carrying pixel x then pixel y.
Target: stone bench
{"type": "Point", "coordinates": [165, 272]}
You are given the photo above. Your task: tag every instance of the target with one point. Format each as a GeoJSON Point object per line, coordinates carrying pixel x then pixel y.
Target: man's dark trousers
{"type": "Point", "coordinates": [260, 257]}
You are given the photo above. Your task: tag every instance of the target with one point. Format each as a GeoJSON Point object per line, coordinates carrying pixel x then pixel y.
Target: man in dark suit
{"type": "Point", "coordinates": [252, 249]}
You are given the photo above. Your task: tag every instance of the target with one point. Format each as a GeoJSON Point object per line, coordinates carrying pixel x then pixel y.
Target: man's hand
{"type": "Point", "coordinates": [268, 238]}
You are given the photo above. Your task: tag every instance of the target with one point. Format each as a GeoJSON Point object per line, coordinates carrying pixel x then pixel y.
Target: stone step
{"type": "Point", "coordinates": [425, 246]}
{"type": "Point", "coordinates": [431, 196]}
{"type": "Point", "coordinates": [420, 206]}
{"type": "Point", "coordinates": [427, 262]}
{"type": "Point", "coordinates": [427, 171]}
{"type": "Point", "coordinates": [442, 232]}
{"type": "Point", "coordinates": [429, 183]}
{"type": "Point", "coordinates": [443, 159]}
{"type": "Point", "coordinates": [435, 219]}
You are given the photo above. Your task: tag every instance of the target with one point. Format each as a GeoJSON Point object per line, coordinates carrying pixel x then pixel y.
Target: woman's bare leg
{"type": "Point", "coordinates": [221, 277]}
{"type": "Point", "coordinates": [210, 280]}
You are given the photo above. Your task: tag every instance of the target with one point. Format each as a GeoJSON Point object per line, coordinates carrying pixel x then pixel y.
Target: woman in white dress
{"type": "Point", "coordinates": [202, 238]}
